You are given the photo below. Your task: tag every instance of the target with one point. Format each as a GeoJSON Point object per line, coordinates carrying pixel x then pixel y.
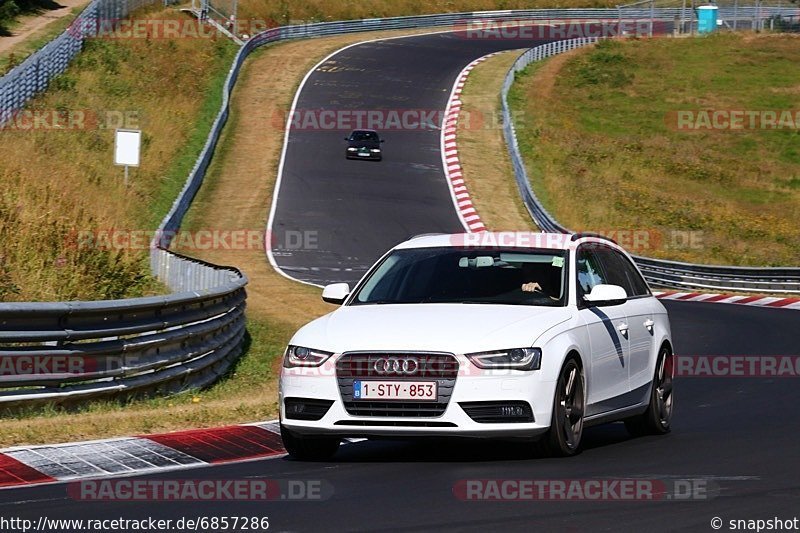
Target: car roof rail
{"type": "Point", "coordinates": [582, 234]}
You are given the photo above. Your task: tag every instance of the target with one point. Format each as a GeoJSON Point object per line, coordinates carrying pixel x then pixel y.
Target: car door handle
{"type": "Point", "coordinates": [649, 324]}
{"type": "Point", "coordinates": [623, 328]}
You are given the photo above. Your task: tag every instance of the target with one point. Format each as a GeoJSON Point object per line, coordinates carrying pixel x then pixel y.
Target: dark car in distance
{"type": "Point", "coordinates": [364, 144]}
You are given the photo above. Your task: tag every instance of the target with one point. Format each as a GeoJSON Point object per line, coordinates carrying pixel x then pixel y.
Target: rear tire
{"type": "Point", "coordinates": [309, 448]}
{"type": "Point", "coordinates": [658, 417]}
{"type": "Point", "coordinates": [563, 439]}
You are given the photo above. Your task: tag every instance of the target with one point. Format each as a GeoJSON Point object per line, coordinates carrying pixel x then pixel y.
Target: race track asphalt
{"type": "Point", "coordinates": [334, 217]}
{"type": "Point", "coordinates": [739, 436]}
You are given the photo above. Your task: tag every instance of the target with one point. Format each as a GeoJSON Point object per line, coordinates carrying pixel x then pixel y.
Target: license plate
{"type": "Point", "coordinates": [395, 390]}
{"type": "Point", "coordinates": [363, 154]}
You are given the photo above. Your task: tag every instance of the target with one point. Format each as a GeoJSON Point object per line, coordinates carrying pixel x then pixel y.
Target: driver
{"type": "Point", "coordinates": [538, 281]}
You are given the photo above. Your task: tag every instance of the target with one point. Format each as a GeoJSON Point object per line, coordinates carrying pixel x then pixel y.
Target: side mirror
{"type": "Point", "coordinates": [347, 138]}
{"type": "Point", "coordinates": [335, 293]}
{"type": "Point", "coordinates": [602, 295]}
{"type": "Point", "coordinates": [383, 140]}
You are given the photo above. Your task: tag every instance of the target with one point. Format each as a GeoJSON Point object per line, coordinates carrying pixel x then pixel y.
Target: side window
{"type": "Point", "coordinates": [614, 269]}
{"type": "Point", "coordinates": [589, 271]}
{"type": "Point", "coordinates": [621, 272]}
{"type": "Point", "coordinates": [636, 280]}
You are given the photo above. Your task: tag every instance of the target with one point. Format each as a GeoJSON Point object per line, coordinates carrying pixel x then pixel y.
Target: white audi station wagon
{"type": "Point", "coordinates": [498, 335]}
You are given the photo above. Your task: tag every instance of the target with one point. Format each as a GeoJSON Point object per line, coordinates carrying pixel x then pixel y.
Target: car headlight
{"type": "Point", "coordinates": [514, 358]}
{"type": "Point", "coordinates": [302, 356]}
{"type": "Point", "coordinates": [351, 149]}
{"type": "Point", "coordinates": [375, 150]}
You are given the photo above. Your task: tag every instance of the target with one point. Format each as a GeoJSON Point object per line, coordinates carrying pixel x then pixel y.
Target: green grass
{"type": "Point", "coordinates": [603, 151]}
{"type": "Point", "coordinates": [20, 52]}
{"type": "Point", "coordinates": [180, 167]}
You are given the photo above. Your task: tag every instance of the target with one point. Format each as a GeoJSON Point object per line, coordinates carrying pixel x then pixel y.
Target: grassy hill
{"type": "Point", "coordinates": [604, 147]}
{"type": "Point", "coordinates": [58, 183]}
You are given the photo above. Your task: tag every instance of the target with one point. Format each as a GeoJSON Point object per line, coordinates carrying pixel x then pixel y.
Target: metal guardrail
{"type": "Point", "coordinates": [105, 349]}
{"type": "Point", "coordinates": [657, 271]}
{"type": "Point", "coordinates": [69, 352]}
{"type": "Point", "coordinates": [33, 75]}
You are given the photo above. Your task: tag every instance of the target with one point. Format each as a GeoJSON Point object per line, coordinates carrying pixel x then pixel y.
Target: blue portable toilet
{"type": "Point", "coordinates": [706, 19]}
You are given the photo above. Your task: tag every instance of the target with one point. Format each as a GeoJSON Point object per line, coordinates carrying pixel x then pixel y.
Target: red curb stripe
{"type": "Point", "coordinates": [467, 212]}
{"type": "Point", "coordinates": [717, 297]}
{"type": "Point", "coordinates": [784, 302]}
{"type": "Point", "coordinates": [756, 300]}
{"type": "Point", "coordinates": [687, 296]}
{"type": "Point", "coordinates": [749, 299]}
{"type": "Point", "coordinates": [13, 472]}
{"type": "Point", "coordinates": [666, 294]}
{"type": "Point", "coordinates": [220, 445]}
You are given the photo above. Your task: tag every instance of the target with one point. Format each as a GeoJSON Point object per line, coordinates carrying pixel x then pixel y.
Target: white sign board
{"type": "Point", "coordinates": [127, 144]}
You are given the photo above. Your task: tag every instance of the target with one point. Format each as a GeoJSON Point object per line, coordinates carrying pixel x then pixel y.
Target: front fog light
{"type": "Point", "coordinates": [514, 358]}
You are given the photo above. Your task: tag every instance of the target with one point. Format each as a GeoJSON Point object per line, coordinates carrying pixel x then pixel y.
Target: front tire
{"type": "Point", "coordinates": [658, 417]}
{"type": "Point", "coordinates": [309, 448]}
{"type": "Point", "coordinates": [563, 439]}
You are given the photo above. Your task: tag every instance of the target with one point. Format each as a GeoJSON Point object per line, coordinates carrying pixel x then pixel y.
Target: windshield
{"type": "Point", "coordinates": [364, 136]}
{"type": "Point", "coordinates": [461, 275]}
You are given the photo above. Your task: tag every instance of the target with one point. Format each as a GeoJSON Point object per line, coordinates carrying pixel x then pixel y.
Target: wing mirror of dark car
{"type": "Point", "coordinates": [605, 295]}
{"type": "Point", "coordinates": [383, 140]}
{"type": "Point", "coordinates": [347, 138]}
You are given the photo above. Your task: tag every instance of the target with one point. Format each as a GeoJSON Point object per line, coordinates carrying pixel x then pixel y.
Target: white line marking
{"type": "Point", "coordinates": [282, 163]}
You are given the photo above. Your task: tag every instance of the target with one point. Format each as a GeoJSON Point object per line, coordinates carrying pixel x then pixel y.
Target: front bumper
{"type": "Point", "coordinates": [371, 157]}
{"type": "Point", "coordinates": [473, 386]}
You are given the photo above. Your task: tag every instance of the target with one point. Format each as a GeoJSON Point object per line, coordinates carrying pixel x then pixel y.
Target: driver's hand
{"type": "Point", "coordinates": [531, 286]}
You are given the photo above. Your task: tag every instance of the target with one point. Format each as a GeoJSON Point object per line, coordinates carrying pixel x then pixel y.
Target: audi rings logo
{"type": "Point", "coordinates": [396, 365]}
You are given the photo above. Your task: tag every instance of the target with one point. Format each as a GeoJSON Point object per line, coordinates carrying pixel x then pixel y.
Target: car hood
{"type": "Point", "coordinates": [456, 328]}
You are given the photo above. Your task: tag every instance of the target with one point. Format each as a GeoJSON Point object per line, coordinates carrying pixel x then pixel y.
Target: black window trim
{"type": "Point", "coordinates": [579, 301]}
{"type": "Point", "coordinates": [595, 244]}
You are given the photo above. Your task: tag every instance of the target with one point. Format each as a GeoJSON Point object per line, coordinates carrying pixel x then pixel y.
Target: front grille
{"type": "Point", "coordinates": [306, 408]}
{"type": "Point", "coordinates": [498, 412]}
{"type": "Point", "coordinates": [362, 365]}
{"type": "Point", "coordinates": [439, 367]}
